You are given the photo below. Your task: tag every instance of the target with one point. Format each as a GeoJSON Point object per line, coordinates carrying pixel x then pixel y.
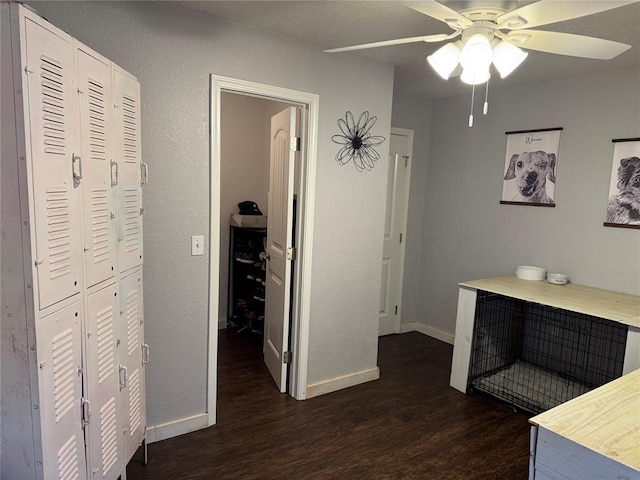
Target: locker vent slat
{"type": "Point", "coordinates": [131, 219]}
{"type": "Point", "coordinates": [129, 129]}
{"type": "Point", "coordinates": [59, 238]}
{"type": "Point", "coordinates": [106, 344]}
{"type": "Point", "coordinates": [68, 468]}
{"type": "Point", "coordinates": [108, 435]}
{"type": "Point", "coordinates": [135, 406]}
{"type": "Point", "coordinates": [64, 374]}
{"type": "Point", "coordinates": [52, 82]}
{"type": "Point", "coordinates": [97, 126]}
{"type": "Point", "coordinates": [100, 224]}
{"type": "Point", "coordinates": [133, 322]}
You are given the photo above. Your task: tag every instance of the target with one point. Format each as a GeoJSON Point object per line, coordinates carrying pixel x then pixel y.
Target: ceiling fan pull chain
{"type": "Point", "coordinates": [485, 107]}
{"type": "Point", "coordinates": [473, 94]}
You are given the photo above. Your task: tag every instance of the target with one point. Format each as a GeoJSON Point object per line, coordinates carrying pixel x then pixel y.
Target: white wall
{"type": "Point", "coordinates": [468, 235]}
{"type": "Point", "coordinates": [173, 52]}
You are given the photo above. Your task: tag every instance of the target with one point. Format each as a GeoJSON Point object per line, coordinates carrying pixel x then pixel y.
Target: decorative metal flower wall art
{"type": "Point", "coordinates": [357, 141]}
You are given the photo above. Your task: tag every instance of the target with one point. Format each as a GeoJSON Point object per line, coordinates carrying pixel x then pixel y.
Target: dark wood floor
{"type": "Point", "coordinates": [408, 424]}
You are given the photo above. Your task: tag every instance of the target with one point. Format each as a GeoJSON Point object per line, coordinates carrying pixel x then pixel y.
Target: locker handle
{"type": "Point", "coordinates": [123, 377]}
{"type": "Point", "coordinates": [114, 182]}
{"type": "Point", "coordinates": [76, 160]}
{"type": "Point", "coordinates": [145, 354]}
{"type": "Point", "coordinates": [86, 412]}
{"type": "Point", "coordinates": [144, 173]}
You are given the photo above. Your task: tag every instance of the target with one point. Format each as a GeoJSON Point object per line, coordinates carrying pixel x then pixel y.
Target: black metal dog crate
{"type": "Point", "coordinates": [536, 357]}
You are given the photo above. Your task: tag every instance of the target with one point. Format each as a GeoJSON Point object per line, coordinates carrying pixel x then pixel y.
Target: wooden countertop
{"type": "Point", "coordinates": [619, 307]}
{"type": "Point", "coordinates": [606, 420]}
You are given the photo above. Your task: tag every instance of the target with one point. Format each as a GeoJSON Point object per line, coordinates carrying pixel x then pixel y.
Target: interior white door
{"type": "Point", "coordinates": [394, 231]}
{"type": "Point", "coordinates": [55, 162]}
{"type": "Point", "coordinates": [279, 238]}
{"type": "Point", "coordinates": [96, 133]}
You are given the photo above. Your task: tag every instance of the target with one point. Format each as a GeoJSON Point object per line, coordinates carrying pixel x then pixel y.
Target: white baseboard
{"type": "Point", "coordinates": [163, 431]}
{"type": "Point", "coordinates": [427, 330]}
{"type": "Point", "coordinates": [338, 383]}
{"type": "Point", "coordinates": [222, 323]}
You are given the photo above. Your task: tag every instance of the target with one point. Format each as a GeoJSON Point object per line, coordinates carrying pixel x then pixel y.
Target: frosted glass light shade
{"type": "Point", "coordinates": [445, 60]}
{"type": "Point", "coordinates": [475, 77]}
{"type": "Point", "coordinates": [507, 57]}
{"type": "Point", "coordinates": [476, 54]}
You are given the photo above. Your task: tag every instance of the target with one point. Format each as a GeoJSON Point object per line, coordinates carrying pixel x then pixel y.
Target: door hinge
{"type": "Point", "coordinates": [396, 309]}
{"type": "Point", "coordinates": [291, 253]}
{"type": "Point", "coordinates": [400, 237]}
{"type": "Point", "coordinates": [295, 144]}
{"type": "Point", "coordinates": [406, 160]}
{"type": "Point", "coordinates": [287, 357]}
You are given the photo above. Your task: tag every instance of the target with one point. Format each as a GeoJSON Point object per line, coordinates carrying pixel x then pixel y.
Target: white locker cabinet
{"type": "Point", "coordinates": [98, 143]}
{"type": "Point", "coordinates": [73, 352]}
{"type": "Point", "coordinates": [134, 355]}
{"type": "Point", "coordinates": [128, 170]}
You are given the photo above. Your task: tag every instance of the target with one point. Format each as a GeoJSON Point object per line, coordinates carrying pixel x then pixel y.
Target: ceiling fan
{"type": "Point", "coordinates": [494, 35]}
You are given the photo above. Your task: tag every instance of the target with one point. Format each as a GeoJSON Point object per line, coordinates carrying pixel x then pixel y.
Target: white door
{"type": "Point", "coordinates": [129, 195]}
{"type": "Point", "coordinates": [55, 162]}
{"type": "Point", "coordinates": [106, 443]}
{"type": "Point", "coordinates": [96, 133]}
{"type": "Point", "coordinates": [60, 377]}
{"type": "Point", "coordinates": [394, 230]}
{"type": "Point", "coordinates": [133, 354]}
{"type": "Point", "coordinates": [279, 237]}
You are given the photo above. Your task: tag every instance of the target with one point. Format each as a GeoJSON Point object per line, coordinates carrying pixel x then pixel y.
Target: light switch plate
{"type": "Point", "coordinates": [197, 245]}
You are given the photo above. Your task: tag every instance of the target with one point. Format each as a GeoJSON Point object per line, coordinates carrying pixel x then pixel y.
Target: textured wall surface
{"type": "Point", "coordinates": [468, 235]}
{"type": "Point", "coordinates": [173, 52]}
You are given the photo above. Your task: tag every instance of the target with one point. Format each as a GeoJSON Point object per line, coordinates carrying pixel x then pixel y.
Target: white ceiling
{"type": "Point", "coordinates": [331, 24]}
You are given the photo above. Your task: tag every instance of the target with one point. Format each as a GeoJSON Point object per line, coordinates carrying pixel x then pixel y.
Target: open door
{"type": "Point", "coordinates": [284, 147]}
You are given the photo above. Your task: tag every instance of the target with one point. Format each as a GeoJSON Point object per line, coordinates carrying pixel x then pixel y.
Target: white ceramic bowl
{"type": "Point", "coordinates": [557, 278]}
{"type": "Point", "coordinates": [527, 272]}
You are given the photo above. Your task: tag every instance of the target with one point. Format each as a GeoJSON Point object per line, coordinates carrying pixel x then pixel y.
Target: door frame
{"type": "Point", "coordinates": [301, 281]}
{"type": "Point", "coordinates": [405, 217]}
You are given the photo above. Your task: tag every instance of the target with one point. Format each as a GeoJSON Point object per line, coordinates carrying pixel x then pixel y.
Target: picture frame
{"type": "Point", "coordinates": [530, 167]}
{"type": "Point", "coordinates": [623, 202]}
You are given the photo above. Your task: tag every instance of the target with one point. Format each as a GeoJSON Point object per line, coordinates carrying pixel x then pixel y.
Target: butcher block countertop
{"type": "Point", "coordinates": [618, 307]}
{"type": "Point", "coordinates": [605, 420]}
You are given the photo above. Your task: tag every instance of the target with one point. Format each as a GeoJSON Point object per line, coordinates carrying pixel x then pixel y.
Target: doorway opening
{"type": "Point", "coordinates": [249, 179]}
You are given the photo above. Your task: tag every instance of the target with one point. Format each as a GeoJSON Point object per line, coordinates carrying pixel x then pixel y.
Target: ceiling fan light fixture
{"type": "Point", "coordinates": [507, 57]}
{"type": "Point", "coordinates": [445, 60]}
{"type": "Point", "coordinates": [475, 77]}
{"type": "Point", "coordinates": [476, 54]}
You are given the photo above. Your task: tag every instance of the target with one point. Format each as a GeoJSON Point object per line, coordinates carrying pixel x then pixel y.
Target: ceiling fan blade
{"type": "Point", "coordinates": [441, 12]}
{"type": "Point", "coordinates": [566, 44]}
{"type": "Point", "coordinates": [545, 12]}
{"type": "Point", "coordinates": [400, 41]}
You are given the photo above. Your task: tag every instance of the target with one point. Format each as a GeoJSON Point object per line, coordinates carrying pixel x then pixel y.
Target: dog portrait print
{"type": "Point", "coordinates": [623, 207]}
{"type": "Point", "coordinates": [530, 167]}
{"type": "Point", "coordinates": [531, 170]}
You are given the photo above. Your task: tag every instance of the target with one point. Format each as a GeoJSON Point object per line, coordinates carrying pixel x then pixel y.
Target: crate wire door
{"type": "Point", "coordinates": [536, 357]}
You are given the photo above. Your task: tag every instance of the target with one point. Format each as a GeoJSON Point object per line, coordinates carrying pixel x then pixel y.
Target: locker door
{"type": "Point", "coordinates": [55, 163]}
{"type": "Point", "coordinates": [133, 354]}
{"type": "Point", "coordinates": [96, 135]}
{"type": "Point", "coordinates": [128, 197]}
{"type": "Point", "coordinates": [59, 339]}
{"type": "Point", "coordinates": [106, 443]}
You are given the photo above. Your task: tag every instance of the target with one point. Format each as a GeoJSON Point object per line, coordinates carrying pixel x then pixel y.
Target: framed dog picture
{"type": "Point", "coordinates": [530, 167]}
{"type": "Point", "coordinates": [623, 206]}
